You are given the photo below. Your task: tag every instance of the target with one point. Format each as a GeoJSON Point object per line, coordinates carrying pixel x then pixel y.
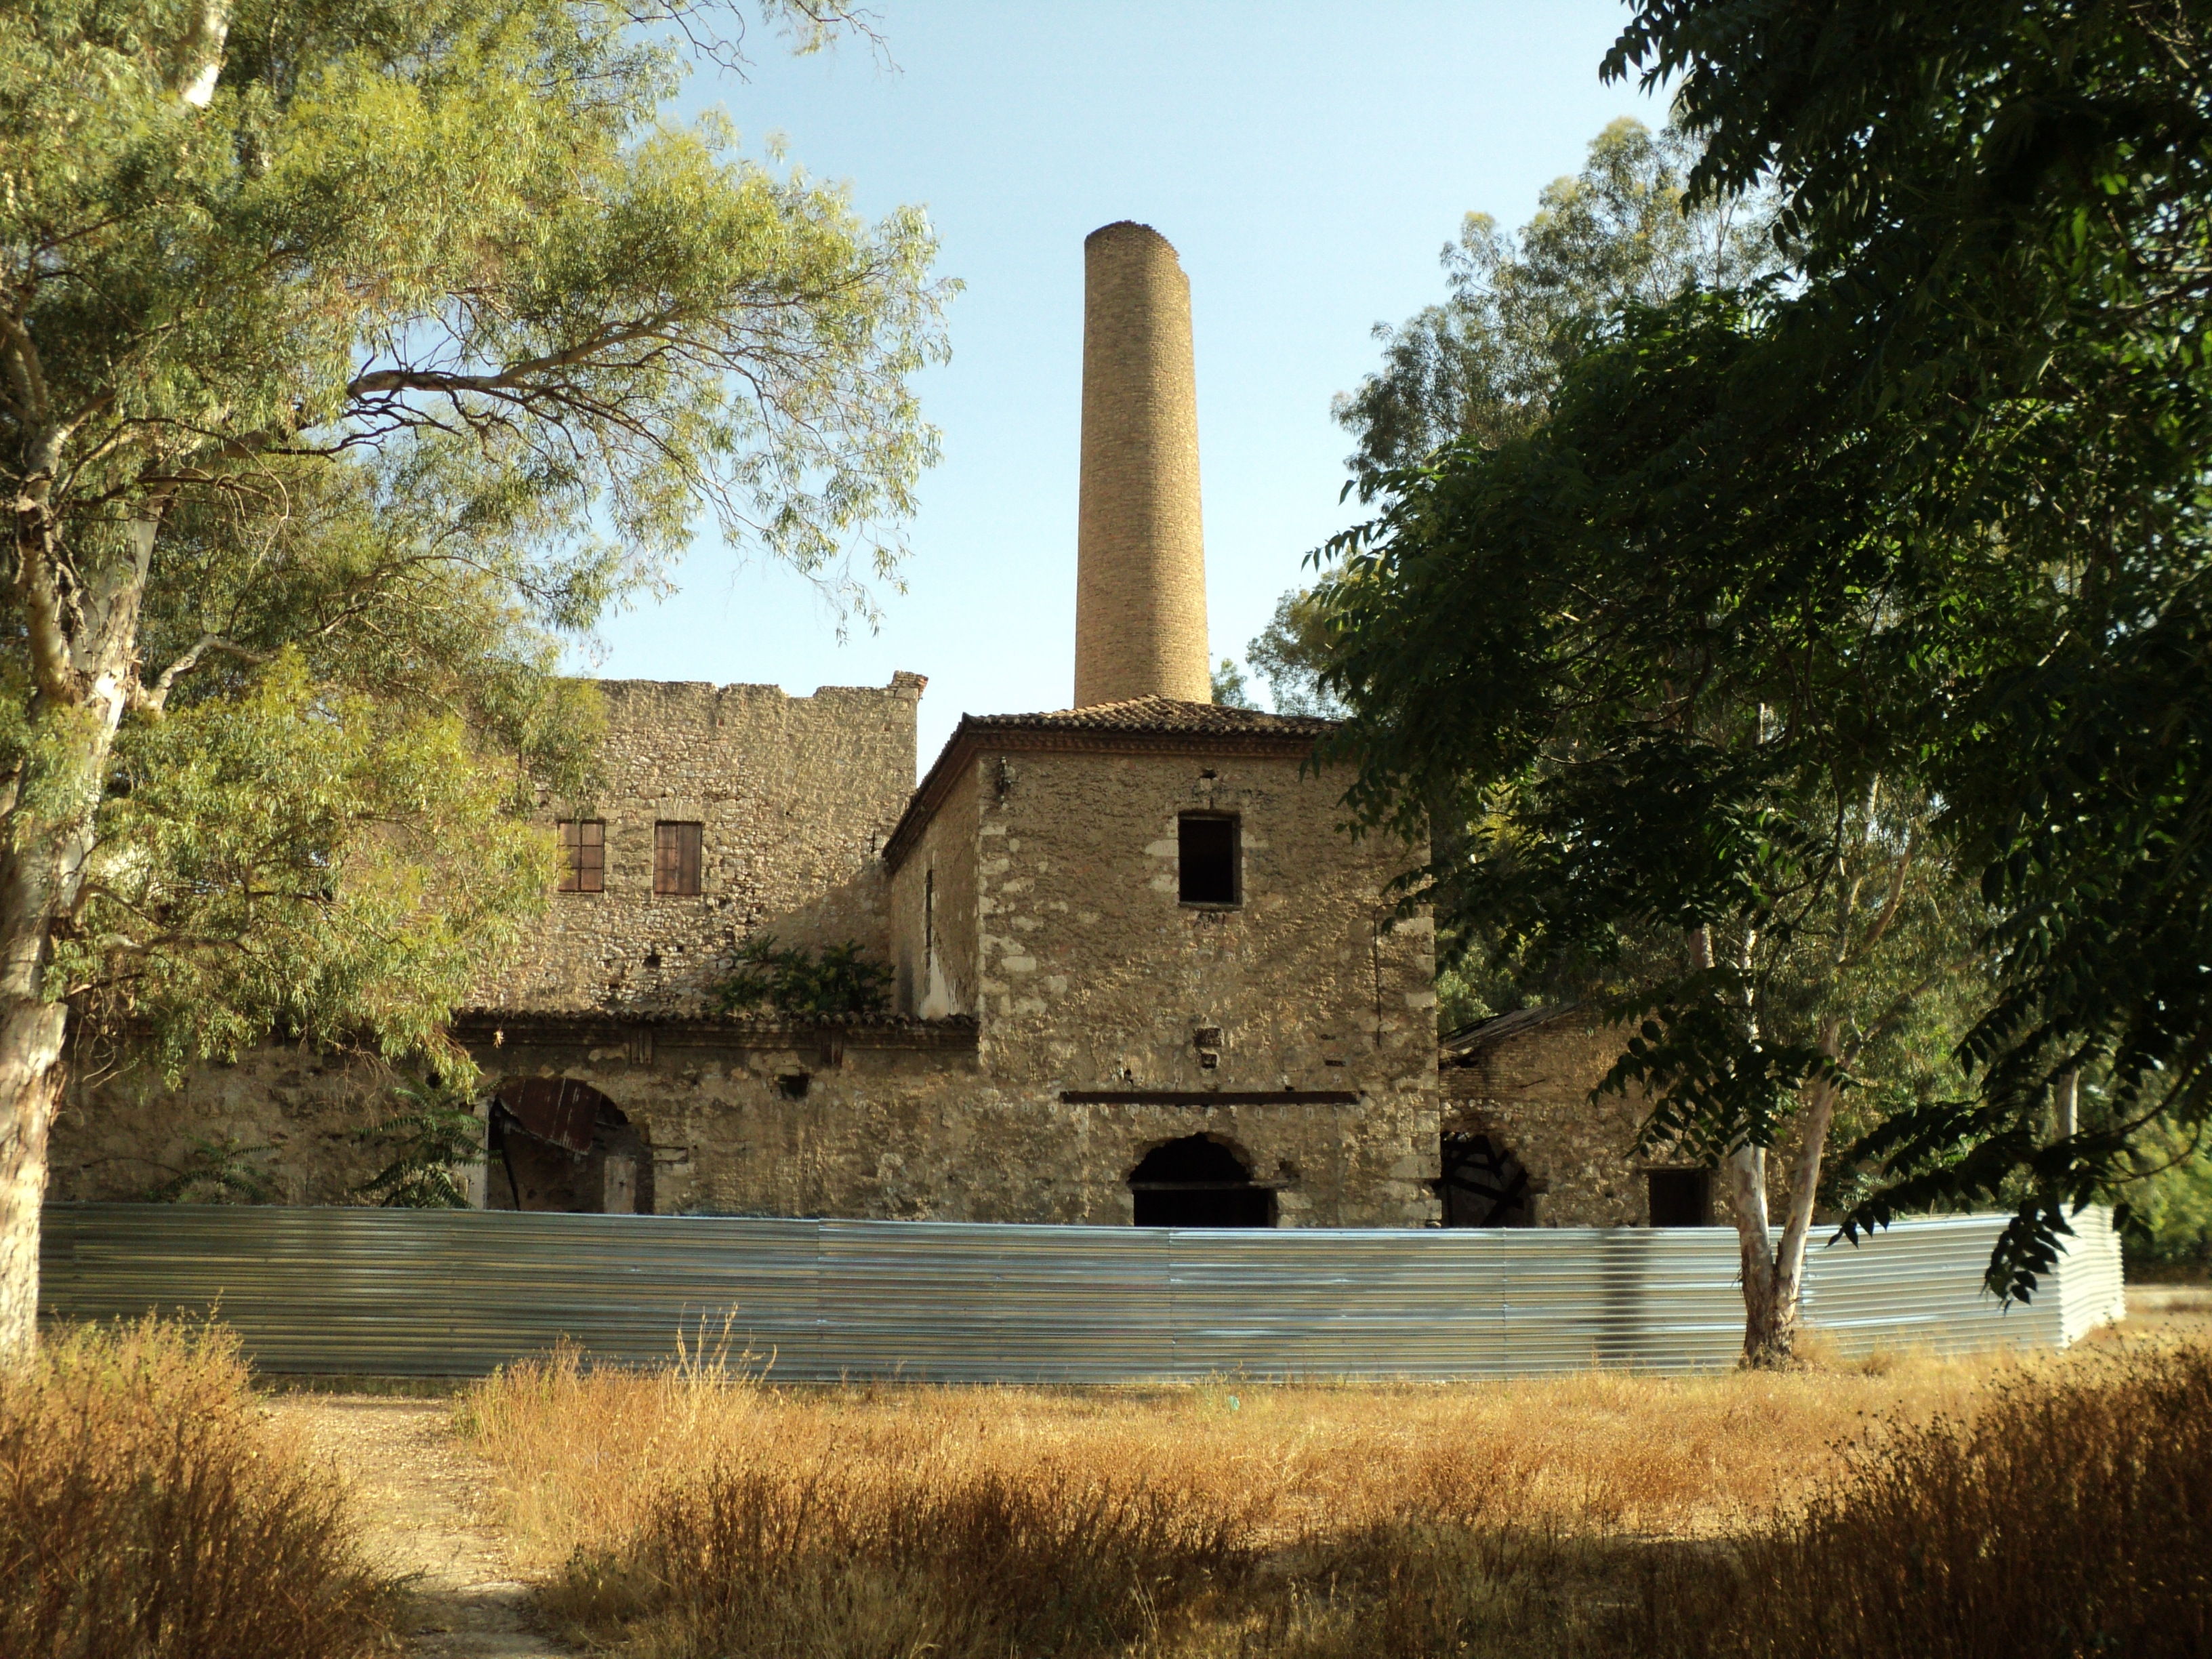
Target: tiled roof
{"type": "Point", "coordinates": [1162, 715]}
{"type": "Point", "coordinates": [1141, 723]}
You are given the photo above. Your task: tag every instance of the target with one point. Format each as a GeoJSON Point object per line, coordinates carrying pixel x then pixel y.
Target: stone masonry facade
{"type": "Point", "coordinates": [1058, 1014]}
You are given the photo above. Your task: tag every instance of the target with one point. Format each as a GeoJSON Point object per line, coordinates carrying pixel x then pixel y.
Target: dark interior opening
{"type": "Point", "coordinates": [1198, 1182]}
{"type": "Point", "coordinates": [1483, 1184]}
{"type": "Point", "coordinates": [1206, 851]}
{"type": "Point", "coordinates": [1680, 1198]}
{"type": "Point", "coordinates": [556, 1143]}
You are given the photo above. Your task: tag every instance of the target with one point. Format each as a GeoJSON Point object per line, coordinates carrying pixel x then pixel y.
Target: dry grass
{"type": "Point", "coordinates": [2071, 1515]}
{"type": "Point", "coordinates": [148, 1512]}
{"type": "Point", "coordinates": [692, 1513]}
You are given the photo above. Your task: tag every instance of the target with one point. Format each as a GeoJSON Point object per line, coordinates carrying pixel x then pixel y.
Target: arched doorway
{"type": "Point", "coordinates": [1197, 1181]}
{"type": "Point", "coordinates": [1483, 1184]}
{"type": "Point", "coordinates": [556, 1143]}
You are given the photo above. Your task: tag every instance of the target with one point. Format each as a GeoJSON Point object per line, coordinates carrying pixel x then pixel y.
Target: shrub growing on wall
{"type": "Point", "coordinates": [836, 979]}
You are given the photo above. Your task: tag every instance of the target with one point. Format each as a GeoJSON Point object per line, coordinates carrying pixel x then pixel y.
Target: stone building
{"type": "Point", "coordinates": [1138, 973]}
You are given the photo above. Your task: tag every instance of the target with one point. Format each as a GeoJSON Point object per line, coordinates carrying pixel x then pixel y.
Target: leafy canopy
{"type": "Point", "coordinates": [351, 355]}
{"type": "Point", "coordinates": [1924, 523]}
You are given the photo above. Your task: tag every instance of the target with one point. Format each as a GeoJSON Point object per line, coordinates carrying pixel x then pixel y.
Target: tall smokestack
{"type": "Point", "coordinates": [1140, 556]}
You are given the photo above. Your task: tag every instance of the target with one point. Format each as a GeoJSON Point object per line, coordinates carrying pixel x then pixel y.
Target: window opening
{"type": "Point", "coordinates": [1483, 1184]}
{"type": "Point", "coordinates": [1197, 1181]}
{"type": "Point", "coordinates": [583, 855]}
{"type": "Point", "coordinates": [676, 858]}
{"type": "Point", "coordinates": [1207, 853]}
{"type": "Point", "coordinates": [1680, 1198]}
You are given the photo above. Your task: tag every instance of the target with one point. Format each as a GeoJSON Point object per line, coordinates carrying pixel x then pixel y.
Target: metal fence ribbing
{"type": "Point", "coordinates": [457, 1292]}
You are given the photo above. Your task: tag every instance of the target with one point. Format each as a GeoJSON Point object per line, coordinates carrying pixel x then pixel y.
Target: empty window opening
{"type": "Point", "coordinates": [583, 855]}
{"type": "Point", "coordinates": [676, 858]}
{"type": "Point", "coordinates": [1207, 850]}
{"type": "Point", "coordinates": [1484, 1185]}
{"type": "Point", "coordinates": [556, 1143]}
{"type": "Point", "coordinates": [792, 1085]}
{"type": "Point", "coordinates": [1197, 1181]}
{"type": "Point", "coordinates": [1680, 1198]}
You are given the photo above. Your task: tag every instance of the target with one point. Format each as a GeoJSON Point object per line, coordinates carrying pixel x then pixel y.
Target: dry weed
{"type": "Point", "coordinates": [697, 1511]}
{"type": "Point", "coordinates": [2071, 1515]}
{"type": "Point", "coordinates": [148, 1512]}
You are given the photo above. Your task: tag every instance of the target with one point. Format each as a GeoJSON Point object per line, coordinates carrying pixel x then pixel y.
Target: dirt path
{"type": "Point", "coordinates": [417, 1493]}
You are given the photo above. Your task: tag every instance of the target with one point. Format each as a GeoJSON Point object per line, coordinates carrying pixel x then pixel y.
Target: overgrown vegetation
{"type": "Point", "coordinates": [2068, 1516]}
{"type": "Point", "coordinates": [146, 1512]}
{"type": "Point", "coordinates": [695, 1512]}
{"type": "Point", "coordinates": [426, 1148]}
{"type": "Point", "coordinates": [835, 979]}
{"type": "Point", "coordinates": [217, 1169]}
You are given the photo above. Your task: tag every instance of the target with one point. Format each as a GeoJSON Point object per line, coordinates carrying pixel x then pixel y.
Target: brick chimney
{"type": "Point", "coordinates": [1140, 556]}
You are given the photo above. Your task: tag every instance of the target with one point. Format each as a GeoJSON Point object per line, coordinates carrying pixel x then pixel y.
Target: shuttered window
{"type": "Point", "coordinates": [583, 855]}
{"type": "Point", "coordinates": [676, 858]}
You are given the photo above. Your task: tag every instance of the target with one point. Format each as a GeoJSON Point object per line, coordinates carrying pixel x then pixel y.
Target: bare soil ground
{"type": "Point", "coordinates": [420, 1495]}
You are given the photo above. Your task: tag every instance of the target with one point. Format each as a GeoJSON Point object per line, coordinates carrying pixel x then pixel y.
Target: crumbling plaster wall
{"type": "Point", "coordinates": [795, 795]}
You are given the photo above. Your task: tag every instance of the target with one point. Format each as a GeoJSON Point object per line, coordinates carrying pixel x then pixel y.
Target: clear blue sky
{"type": "Point", "coordinates": [1308, 161]}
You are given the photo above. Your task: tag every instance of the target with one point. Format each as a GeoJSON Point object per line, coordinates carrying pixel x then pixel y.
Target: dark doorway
{"type": "Point", "coordinates": [1680, 1198]}
{"type": "Point", "coordinates": [556, 1143]}
{"type": "Point", "coordinates": [1483, 1184]}
{"type": "Point", "coordinates": [1197, 1181]}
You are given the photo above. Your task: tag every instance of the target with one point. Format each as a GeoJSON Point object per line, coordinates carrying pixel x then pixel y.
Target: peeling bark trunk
{"type": "Point", "coordinates": [82, 631]}
{"type": "Point", "coordinates": [1765, 1341]}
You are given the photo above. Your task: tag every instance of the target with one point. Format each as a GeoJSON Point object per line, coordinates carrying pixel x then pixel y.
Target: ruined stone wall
{"type": "Point", "coordinates": [892, 1123]}
{"type": "Point", "coordinates": [288, 1117]}
{"type": "Point", "coordinates": [933, 910]}
{"type": "Point", "coordinates": [1529, 1093]}
{"type": "Point", "coordinates": [795, 796]}
{"type": "Point", "coordinates": [1093, 975]}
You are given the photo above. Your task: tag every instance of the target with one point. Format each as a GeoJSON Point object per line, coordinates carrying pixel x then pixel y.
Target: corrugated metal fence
{"type": "Point", "coordinates": [455, 1293]}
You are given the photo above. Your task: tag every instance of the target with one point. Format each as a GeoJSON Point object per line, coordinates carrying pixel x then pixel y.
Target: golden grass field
{"type": "Point", "coordinates": [693, 1512]}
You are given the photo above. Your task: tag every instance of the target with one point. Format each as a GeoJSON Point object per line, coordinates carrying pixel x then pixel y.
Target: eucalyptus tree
{"type": "Point", "coordinates": [350, 355]}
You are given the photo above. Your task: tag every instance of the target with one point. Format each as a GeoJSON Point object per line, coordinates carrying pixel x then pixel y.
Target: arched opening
{"type": "Point", "coordinates": [1483, 1184]}
{"type": "Point", "coordinates": [556, 1143]}
{"type": "Point", "coordinates": [1197, 1181]}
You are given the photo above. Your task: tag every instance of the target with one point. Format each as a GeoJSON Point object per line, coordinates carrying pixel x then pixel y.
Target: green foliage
{"type": "Point", "coordinates": [341, 870]}
{"type": "Point", "coordinates": [1923, 528]}
{"type": "Point", "coordinates": [351, 357]}
{"type": "Point", "coordinates": [793, 980]}
{"type": "Point", "coordinates": [1486, 363]}
{"type": "Point", "coordinates": [1291, 655]}
{"type": "Point", "coordinates": [2003, 213]}
{"type": "Point", "coordinates": [2170, 1212]}
{"type": "Point", "coordinates": [427, 1146]}
{"type": "Point", "coordinates": [215, 1170]}
{"type": "Point", "coordinates": [1229, 685]}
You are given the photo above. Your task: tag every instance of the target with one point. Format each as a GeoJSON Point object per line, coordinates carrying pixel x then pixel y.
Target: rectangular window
{"type": "Point", "coordinates": [1680, 1198]}
{"type": "Point", "coordinates": [1207, 846]}
{"type": "Point", "coordinates": [583, 855]}
{"type": "Point", "coordinates": [676, 858]}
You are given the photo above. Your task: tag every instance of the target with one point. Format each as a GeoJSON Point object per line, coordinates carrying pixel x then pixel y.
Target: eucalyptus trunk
{"type": "Point", "coordinates": [82, 637]}
{"type": "Point", "coordinates": [1774, 1268]}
